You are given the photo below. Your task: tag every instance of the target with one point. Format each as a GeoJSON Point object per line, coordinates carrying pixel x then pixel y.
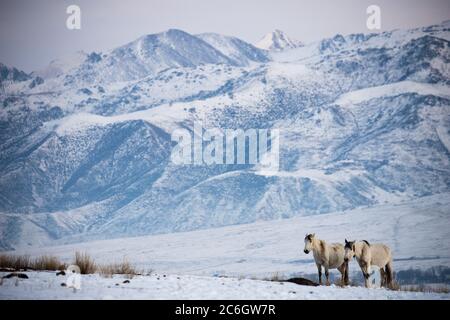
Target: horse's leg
{"type": "Point", "coordinates": [346, 281]}
{"type": "Point", "coordinates": [389, 274]}
{"type": "Point", "coordinates": [365, 268]}
{"type": "Point", "coordinates": [342, 269]}
{"type": "Point", "coordinates": [382, 277]}
{"type": "Point", "coordinates": [319, 270]}
{"type": "Point", "coordinates": [327, 274]}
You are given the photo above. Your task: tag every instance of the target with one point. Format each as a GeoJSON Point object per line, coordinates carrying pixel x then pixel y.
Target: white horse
{"type": "Point", "coordinates": [368, 255]}
{"type": "Point", "coordinates": [330, 256]}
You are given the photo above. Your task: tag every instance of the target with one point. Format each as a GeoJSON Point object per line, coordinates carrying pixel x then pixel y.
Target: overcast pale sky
{"type": "Point", "coordinates": [33, 32]}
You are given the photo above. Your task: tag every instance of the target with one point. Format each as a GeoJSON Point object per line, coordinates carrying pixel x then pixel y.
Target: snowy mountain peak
{"type": "Point", "coordinates": [278, 41]}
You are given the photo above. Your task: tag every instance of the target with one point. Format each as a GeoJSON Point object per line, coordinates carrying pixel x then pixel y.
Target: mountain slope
{"type": "Point", "coordinates": [241, 52]}
{"type": "Point", "coordinates": [362, 123]}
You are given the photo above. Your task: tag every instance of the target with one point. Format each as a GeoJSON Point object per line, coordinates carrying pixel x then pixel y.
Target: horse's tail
{"type": "Point", "coordinates": [389, 274]}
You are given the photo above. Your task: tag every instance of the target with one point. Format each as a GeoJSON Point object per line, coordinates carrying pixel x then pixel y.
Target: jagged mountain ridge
{"type": "Point", "coordinates": [364, 122]}
{"type": "Point", "coordinates": [153, 53]}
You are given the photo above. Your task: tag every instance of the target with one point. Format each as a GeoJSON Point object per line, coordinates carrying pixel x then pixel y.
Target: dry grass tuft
{"type": "Point", "coordinates": [123, 268]}
{"type": "Point", "coordinates": [24, 262]}
{"type": "Point", "coordinates": [83, 260]}
{"type": "Point", "coordinates": [15, 262]}
{"type": "Point", "coordinates": [85, 263]}
{"type": "Point", "coordinates": [48, 263]}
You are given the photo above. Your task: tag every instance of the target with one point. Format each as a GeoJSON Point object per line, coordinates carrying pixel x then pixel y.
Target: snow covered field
{"type": "Point", "coordinates": [413, 230]}
{"type": "Point", "coordinates": [46, 285]}
{"type": "Point", "coordinates": [260, 250]}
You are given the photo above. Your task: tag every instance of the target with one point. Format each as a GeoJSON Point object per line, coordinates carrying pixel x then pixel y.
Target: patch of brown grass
{"type": "Point", "coordinates": [83, 260]}
{"type": "Point", "coordinates": [123, 268]}
{"type": "Point", "coordinates": [24, 262]}
{"type": "Point", "coordinates": [15, 262]}
{"type": "Point", "coordinates": [85, 263]}
{"type": "Point", "coordinates": [48, 263]}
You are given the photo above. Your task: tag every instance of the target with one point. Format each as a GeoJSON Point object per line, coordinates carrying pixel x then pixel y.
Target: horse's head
{"type": "Point", "coordinates": [349, 250]}
{"type": "Point", "coordinates": [309, 242]}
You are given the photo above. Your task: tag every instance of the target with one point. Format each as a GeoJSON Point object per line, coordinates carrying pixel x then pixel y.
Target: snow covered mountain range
{"type": "Point", "coordinates": [85, 143]}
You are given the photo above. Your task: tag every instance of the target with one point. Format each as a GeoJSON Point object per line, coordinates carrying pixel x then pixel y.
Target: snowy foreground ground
{"type": "Point", "coordinates": [195, 262]}
{"type": "Point", "coordinates": [46, 285]}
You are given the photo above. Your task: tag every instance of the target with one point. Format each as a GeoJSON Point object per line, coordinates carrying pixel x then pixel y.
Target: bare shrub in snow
{"type": "Point", "coordinates": [48, 263]}
{"type": "Point", "coordinates": [15, 262]}
{"type": "Point", "coordinates": [85, 263]}
{"type": "Point", "coordinates": [123, 268]}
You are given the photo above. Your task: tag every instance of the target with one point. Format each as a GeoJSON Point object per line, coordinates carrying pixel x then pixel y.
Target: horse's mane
{"type": "Point", "coordinates": [367, 242]}
{"type": "Point", "coordinates": [322, 245]}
